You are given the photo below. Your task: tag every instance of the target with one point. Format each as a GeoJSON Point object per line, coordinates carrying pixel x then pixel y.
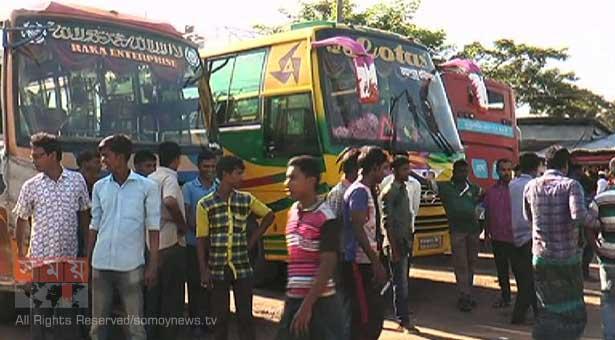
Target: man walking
{"type": "Point", "coordinates": [312, 309]}
{"type": "Point", "coordinates": [499, 227]}
{"type": "Point", "coordinates": [58, 203]}
{"type": "Point", "coordinates": [555, 206]}
{"type": "Point", "coordinates": [460, 199]}
{"type": "Point", "coordinates": [223, 246]}
{"type": "Point", "coordinates": [124, 206]}
{"type": "Point", "coordinates": [165, 298]}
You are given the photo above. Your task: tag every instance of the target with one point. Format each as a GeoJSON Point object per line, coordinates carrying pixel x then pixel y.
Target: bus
{"type": "Point", "coordinates": [82, 74]}
{"type": "Point", "coordinates": [277, 96]}
{"type": "Point", "coordinates": [487, 134]}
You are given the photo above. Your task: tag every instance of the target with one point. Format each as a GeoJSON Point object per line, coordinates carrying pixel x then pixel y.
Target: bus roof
{"type": "Point", "coordinates": [299, 31]}
{"type": "Point", "coordinates": [53, 8]}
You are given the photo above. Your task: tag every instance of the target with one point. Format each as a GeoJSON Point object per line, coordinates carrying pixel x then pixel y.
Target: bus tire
{"type": "Point", "coordinates": [8, 314]}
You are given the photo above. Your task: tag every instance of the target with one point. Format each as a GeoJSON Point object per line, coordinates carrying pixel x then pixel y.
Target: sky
{"type": "Point", "coordinates": [584, 27]}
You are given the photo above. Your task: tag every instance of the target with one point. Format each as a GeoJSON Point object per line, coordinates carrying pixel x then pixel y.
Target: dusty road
{"type": "Point", "coordinates": [432, 298]}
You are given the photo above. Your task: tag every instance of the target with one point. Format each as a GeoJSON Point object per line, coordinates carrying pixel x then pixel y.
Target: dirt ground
{"type": "Point", "coordinates": [432, 300]}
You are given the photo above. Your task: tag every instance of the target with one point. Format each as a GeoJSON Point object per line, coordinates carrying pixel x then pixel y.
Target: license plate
{"type": "Point", "coordinates": [430, 242]}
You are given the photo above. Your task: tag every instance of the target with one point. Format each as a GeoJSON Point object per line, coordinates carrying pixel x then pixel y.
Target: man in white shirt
{"type": "Point", "coordinates": [166, 298]}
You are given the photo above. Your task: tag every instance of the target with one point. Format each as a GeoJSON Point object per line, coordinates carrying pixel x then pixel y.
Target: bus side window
{"type": "Point", "coordinates": [496, 100]}
{"type": "Point", "coordinates": [220, 82]}
{"type": "Point", "coordinates": [290, 126]}
{"type": "Point", "coordinates": [236, 85]}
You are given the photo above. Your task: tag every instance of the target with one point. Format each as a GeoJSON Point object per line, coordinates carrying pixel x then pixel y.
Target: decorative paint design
{"type": "Point", "coordinates": [289, 65]}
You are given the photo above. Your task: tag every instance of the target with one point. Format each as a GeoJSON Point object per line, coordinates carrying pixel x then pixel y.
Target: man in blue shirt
{"type": "Point", "coordinates": [204, 184]}
{"type": "Point", "coordinates": [363, 274]}
{"type": "Point", "coordinates": [124, 205]}
{"type": "Point", "coordinates": [521, 257]}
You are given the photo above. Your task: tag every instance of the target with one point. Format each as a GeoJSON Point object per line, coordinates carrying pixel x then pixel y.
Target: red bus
{"type": "Point", "coordinates": [487, 135]}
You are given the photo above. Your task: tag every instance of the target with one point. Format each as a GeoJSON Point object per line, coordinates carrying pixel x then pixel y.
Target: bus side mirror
{"type": "Point", "coordinates": [367, 80]}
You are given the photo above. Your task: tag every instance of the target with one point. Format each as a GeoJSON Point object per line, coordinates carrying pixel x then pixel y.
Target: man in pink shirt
{"type": "Point", "coordinates": [499, 228]}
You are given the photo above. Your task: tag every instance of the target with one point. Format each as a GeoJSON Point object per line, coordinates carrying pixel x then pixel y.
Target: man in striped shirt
{"type": "Point", "coordinates": [602, 240]}
{"type": "Point", "coordinates": [312, 309]}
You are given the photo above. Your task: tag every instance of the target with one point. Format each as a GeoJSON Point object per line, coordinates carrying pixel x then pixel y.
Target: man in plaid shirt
{"type": "Point", "coordinates": [223, 245]}
{"type": "Point", "coordinates": [555, 207]}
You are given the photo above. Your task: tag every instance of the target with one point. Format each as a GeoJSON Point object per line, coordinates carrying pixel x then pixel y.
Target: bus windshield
{"type": "Point", "coordinates": [413, 113]}
{"type": "Point", "coordinates": [82, 81]}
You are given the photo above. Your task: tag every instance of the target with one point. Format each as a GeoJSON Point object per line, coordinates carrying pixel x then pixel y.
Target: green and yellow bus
{"type": "Point", "coordinates": [276, 97]}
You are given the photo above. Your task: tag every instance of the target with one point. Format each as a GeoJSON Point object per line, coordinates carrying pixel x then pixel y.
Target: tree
{"type": "Point", "coordinates": [547, 90]}
{"type": "Point", "coordinates": [394, 16]}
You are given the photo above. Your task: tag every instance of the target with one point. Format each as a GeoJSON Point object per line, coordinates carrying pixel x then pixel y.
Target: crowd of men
{"type": "Point", "coordinates": [541, 227]}
{"type": "Point", "coordinates": [147, 238]}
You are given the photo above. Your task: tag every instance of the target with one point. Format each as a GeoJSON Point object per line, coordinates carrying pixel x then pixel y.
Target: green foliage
{"type": "Point", "coordinates": [394, 16]}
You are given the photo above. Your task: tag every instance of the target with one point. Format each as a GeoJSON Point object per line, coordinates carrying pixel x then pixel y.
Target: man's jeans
{"type": "Point", "coordinates": [607, 282]}
{"type": "Point", "coordinates": [326, 322]}
{"type": "Point", "coordinates": [367, 305]}
{"type": "Point", "coordinates": [400, 288]}
{"type": "Point", "coordinates": [220, 304]}
{"type": "Point", "coordinates": [129, 286]}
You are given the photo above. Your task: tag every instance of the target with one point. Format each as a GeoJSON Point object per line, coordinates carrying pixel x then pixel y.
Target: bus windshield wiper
{"type": "Point", "coordinates": [427, 119]}
{"type": "Point", "coordinates": [393, 108]}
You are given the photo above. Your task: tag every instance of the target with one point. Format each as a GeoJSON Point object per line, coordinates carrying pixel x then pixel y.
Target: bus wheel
{"type": "Point", "coordinates": [7, 312]}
